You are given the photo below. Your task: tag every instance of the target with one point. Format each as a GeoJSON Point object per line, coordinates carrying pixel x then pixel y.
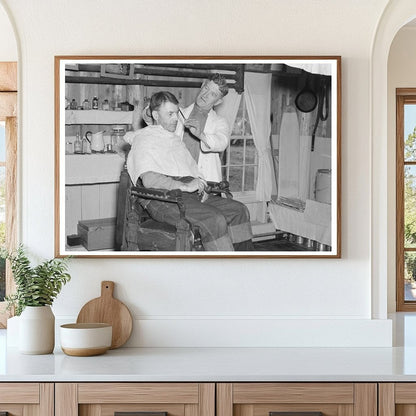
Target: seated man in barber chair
{"type": "Point", "coordinates": [160, 160]}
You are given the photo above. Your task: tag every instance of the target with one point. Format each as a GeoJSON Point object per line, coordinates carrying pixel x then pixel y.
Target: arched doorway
{"type": "Point", "coordinates": [396, 15]}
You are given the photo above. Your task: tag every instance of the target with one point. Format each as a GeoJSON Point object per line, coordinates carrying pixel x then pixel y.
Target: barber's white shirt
{"type": "Point", "coordinates": [217, 133]}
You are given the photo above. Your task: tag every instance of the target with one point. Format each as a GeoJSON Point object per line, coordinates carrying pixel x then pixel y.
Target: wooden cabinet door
{"type": "Point", "coordinates": [297, 399]}
{"type": "Point", "coordinates": [397, 399]}
{"type": "Point", "coordinates": [142, 399]}
{"type": "Point", "coordinates": [26, 399]}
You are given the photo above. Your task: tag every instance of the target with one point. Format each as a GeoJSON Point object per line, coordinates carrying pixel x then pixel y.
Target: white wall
{"type": "Point", "coordinates": [212, 301]}
{"type": "Point", "coordinates": [8, 46]}
{"type": "Point", "coordinates": [401, 74]}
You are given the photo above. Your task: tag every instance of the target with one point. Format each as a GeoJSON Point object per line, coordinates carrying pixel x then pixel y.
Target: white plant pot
{"type": "Point", "coordinates": [37, 330]}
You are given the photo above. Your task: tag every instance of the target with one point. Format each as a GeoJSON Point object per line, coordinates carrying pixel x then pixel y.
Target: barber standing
{"type": "Point", "coordinates": [204, 132]}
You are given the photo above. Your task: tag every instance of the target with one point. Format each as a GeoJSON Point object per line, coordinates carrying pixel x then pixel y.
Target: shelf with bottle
{"type": "Point", "coordinates": [98, 117]}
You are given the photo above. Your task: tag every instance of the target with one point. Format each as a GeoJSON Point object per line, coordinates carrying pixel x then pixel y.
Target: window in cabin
{"type": "Point", "coordinates": [240, 160]}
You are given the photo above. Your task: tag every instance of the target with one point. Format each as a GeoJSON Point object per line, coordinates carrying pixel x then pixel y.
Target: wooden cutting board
{"type": "Point", "coordinates": [108, 310]}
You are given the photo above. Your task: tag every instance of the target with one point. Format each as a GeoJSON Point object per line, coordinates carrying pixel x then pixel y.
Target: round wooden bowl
{"type": "Point", "coordinates": [86, 339]}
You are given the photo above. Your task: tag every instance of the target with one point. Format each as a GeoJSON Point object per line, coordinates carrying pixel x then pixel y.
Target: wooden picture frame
{"type": "Point", "coordinates": [282, 158]}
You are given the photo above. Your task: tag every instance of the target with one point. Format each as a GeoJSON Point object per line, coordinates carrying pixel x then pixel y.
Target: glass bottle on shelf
{"type": "Point", "coordinates": [86, 104]}
{"type": "Point", "coordinates": [69, 148]}
{"type": "Point", "coordinates": [78, 144]}
{"type": "Point", "coordinates": [95, 103]}
{"type": "Point", "coordinates": [117, 138]}
{"type": "Point", "coordinates": [106, 105]}
{"type": "Point", "coordinates": [73, 105]}
{"type": "Point", "coordinates": [86, 146]}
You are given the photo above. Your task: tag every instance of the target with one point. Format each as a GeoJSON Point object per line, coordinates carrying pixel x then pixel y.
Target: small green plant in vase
{"type": "Point", "coordinates": [36, 289]}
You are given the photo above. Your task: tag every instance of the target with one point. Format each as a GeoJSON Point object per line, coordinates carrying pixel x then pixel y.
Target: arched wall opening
{"type": "Point", "coordinates": [396, 15]}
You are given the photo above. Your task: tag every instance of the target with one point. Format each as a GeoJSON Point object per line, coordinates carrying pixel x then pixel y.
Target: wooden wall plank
{"type": "Point", "coordinates": [90, 202]}
{"type": "Point", "coordinates": [108, 200]}
{"type": "Point", "coordinates": [73, 210]}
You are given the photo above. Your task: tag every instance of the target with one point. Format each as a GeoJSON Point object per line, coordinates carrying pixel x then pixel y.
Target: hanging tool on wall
{"type": "Point", "coordinates": [321, 115]}
{"type": "Point", "coordinates": [275, 156]}
{"type": "Point", "coordinates": [306, 100]}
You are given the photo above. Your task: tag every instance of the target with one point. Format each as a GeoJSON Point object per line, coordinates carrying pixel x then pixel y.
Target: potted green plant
{"type": "Point", "coordinates": [36, 289]}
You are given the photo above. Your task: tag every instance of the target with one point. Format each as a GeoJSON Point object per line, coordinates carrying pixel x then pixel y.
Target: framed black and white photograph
{"type": "Point", "coordinates": [198, 156]}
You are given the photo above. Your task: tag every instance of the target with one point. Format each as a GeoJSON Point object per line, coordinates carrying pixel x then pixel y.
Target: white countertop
{"type": "Point", "coordinates": [215, 364]}
{"type": "Point", "coordinates": [222, 364]}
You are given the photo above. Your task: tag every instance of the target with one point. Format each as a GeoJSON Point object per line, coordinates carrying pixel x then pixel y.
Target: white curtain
{"type": "Point", "coordinates": [257, 95]}
{"type": "Point", "coordinates": [229, 107]}
{"type": "Point", "coordinates": [295, 156]}
{"type": "Point", "coordinates": [289, 155]}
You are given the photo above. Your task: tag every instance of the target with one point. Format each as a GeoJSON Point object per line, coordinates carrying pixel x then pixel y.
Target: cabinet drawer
{"type": "Point", "coordinates": [138, 393]}
{"type": "Point", "coordinates": [397, 399]}
{"type": "Point", "coordinates": [297, 399]}
{"type": "Point", "coordinates": [21, 399]}
{"type": "Point", "coordinates": [144, 399]}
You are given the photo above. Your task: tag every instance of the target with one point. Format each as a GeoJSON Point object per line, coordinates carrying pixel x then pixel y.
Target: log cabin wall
{"type": "Point", "coordinates": [285, 88]}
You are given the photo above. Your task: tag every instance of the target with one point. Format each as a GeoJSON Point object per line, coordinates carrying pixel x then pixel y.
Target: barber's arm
{"type": "Point", "coordinates": [160, 181]}
{"type": "Point", "coordinates": [129, 137]}
{"type": "Point", "coordinates": [215, 139]}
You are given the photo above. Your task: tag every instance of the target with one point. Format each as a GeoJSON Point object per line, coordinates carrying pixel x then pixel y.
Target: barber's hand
{"type": "Point", "coordinates": [194, 127]}
{"type": "Point", "coordinates": [146, 116]}
{"type": "Point", "coordinates": [196, 184]}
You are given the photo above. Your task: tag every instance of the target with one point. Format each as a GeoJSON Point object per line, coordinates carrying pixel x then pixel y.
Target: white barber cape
{"type": "Point", "coordinates": [218, 136]}
{"type": "Point", "coordinates": [154, 149]}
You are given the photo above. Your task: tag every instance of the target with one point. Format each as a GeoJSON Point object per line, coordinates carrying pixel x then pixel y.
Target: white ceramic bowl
{"type": "Point", "coordinates": [83, 340]}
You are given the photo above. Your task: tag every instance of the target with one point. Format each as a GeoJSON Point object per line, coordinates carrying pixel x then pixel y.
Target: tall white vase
{"type": "Point", "coordinates": [37, 330]}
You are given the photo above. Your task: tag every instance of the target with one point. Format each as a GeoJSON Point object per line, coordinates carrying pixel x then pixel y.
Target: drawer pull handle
{"type": "Point", "coordinates": [295, 413]}
{"type": "Point", "coordinates": [140, 414]}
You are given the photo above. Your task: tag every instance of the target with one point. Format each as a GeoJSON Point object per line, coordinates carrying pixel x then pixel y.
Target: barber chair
{"type": "Point", "coordinates": [137, 231]}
